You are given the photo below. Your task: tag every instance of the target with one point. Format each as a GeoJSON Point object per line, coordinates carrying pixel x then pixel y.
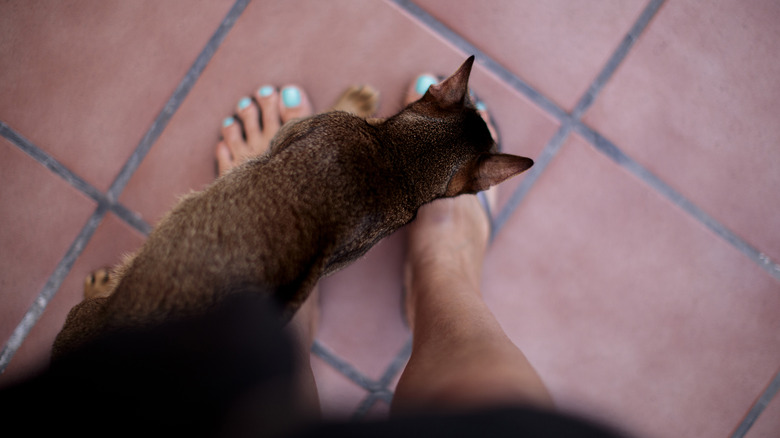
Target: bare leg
{"type": "Point", "coordinates": [274, 108]}
{"type": "Point", "coordinates": [461, 357]}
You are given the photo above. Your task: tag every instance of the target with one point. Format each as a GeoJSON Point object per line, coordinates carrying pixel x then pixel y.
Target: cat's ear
{"type": "Point", "coordinates": [452, 92]}
{"type": "Point", "coordinates": [488, 171]}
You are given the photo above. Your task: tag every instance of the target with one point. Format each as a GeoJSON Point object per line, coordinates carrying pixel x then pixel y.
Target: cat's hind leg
{"type": "Point", "coordinates": [98, 283]}
{"type": "Point", "coordinates": [360, 100]}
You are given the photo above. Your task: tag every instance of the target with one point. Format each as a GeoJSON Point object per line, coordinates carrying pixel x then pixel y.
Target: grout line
{"type": "Point", "coordinates": [759, 407]}
{"type": "Point", "coordinates": [344, 367]}
{"type": "Point", "coordinates": [384, 393]}
{"type": "Point", "coordinates": [396, 364]}
{"type": "Point", "coordinates": [59, 169]}
{"type": "Point", "coordinates": [51, 287]}
{"type": "Point", "coordinates": [50, 163]}
{"type": "Point", "coordinates": [377, 390]}
{"type": "Point", "coordinates": [131, 218]}
{"type": "Point", "coordinates": [66, 263]}
{"type": "Point", "coordinates": [617, 58]}
{"type": "Point", "coordinates": [621, 159]}
{"type": "Point", "coordinates": [364, 406]}
{"type": "Point", "coordinates": [109, 200]}
{"type": "Point", "coordinates": [602, 145]}
{"type": "Point", "coordinates": [369, 401]}
{"type": "Point", "coordinates": [540, 165]}
{"type": "Point", "coordinates": [554, 145]}
{"type": "Point", "coordinates": [492, 65]}
{"type": "Point", "coordinates": [176, 99]}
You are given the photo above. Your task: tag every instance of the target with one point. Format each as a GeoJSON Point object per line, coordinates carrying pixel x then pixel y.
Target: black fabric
{"type": "Point", "coordinates": [228, 373]}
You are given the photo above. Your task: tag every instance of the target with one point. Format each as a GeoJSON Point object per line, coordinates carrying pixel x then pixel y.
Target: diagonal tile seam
{"type": "Point", "coordinates": [61, 271]}
{"type": "Point", "coordinates": [436, 26]}
{"type": "Point", "coordinates": [377, 389]}
{"type": "Point", "coordinates": [568, 121]}
{"type": "Point", "coordinates": [543, 102]}
{"type": "Point", "coordinates": [51, 287]}
{"type": "Point", "coordinates": [571, 122]}
{"type": "Point", "coordinates": [367, 403]}
{"type": "Point", "coordinates": [109, 200]}
{"type": "Point", "coordinates": [627, 163]}
{"type": "Point", "coordinates": [614, 153]}
{"type": "Point", "coordinates": [59, 169]}
{"type": "Point", "coordinates": [758, 407]}
{"type": "Point", "coordinates": [385, 394]}
{"type": "Point", "coordinates": [176, 99]}
{"type": "Point", "coordinates": [343, 367]}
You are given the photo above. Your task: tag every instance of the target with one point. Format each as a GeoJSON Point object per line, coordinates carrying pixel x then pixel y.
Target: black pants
{"type": "Point", "coordinates": [226, 373]}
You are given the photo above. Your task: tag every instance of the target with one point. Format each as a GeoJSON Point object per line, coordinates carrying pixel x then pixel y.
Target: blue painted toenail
{"type": "Point", "coordinates": [266, 91]}
{"type": "Point", "coordinates": [291, 97]}
{"type": "Point", "coordinates": [244, 103]}
{"type": "Point", "coordinates": [423, 82]}
{"type": "Point", "coordinates": [227, 122]}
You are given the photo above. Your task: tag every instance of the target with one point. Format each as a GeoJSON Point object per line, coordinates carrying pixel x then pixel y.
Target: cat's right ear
{"type": "Point", "coordinates": [451, 93]}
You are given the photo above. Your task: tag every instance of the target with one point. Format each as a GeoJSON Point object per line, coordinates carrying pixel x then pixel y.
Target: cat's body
{"type": "Point", "coordinates": [331, 186]}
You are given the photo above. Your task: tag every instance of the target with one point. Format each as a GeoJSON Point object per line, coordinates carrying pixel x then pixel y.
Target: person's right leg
{"type": "Point", "coordinates": [461, 357]}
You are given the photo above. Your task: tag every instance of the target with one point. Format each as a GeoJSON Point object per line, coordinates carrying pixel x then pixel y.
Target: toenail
{"type": "Point", "coordinates": [423, 82]}
{"type": "Point", "coordinates": [481, 106]}
{"type": "Point", "coordinates": [227, 122]}
{"type": "Point", "coordinates": [291, 97]}
{"type": "Point", "coordinates": [244, 103]}
{"type": "Point", "coordinates": [265, 91]}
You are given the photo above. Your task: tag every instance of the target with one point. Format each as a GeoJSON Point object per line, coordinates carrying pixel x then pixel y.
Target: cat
{"type": "Point", "coordinates": [330, 187]}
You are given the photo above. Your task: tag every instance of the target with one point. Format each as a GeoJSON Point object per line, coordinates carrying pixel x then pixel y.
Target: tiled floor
{"type": "Point", "coordinates": [635, 265]}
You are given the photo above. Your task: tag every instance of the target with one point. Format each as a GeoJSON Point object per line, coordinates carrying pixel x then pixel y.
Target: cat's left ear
{"type": "Point", "coordinates": [452, 92]}
{"type": "Point", "coordinates": [489, 171]}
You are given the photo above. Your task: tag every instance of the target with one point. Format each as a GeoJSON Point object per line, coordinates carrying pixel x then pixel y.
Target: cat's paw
{"type": "Point", "coordinates": [361, 100]}
{"type": "Point", "coordinates": [97, 284]}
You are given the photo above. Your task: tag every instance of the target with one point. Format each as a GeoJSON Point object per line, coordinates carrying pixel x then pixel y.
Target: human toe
{"type": "Point", "coordinates": [233, 137]}
{"type": "Point", "coordinates": [268, 99]}
{"type": "Point", "coordinates": [483, 111]}
{"type": "Point", "coordinates": [224, 158]}
{"type": "Point", "coordinates": [419, 86]}
{"type": "Point", "coordinates": [294, 103]}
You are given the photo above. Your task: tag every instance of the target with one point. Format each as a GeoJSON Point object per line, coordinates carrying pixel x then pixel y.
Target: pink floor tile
{"type": "Point", "coordinates": [41, 216]}
{"type": "Point", "coordinates": [632, 312]}
{"type": "Point", "coordinates": [558, 47]}
{"type": "Point", "coordinates": [696, 103]}
{"type": "Point", "coordinates": [95, 74]}
{"type": "Point", "coordinates": [111, 241]}
{"type": "Point", "coordinates": [361, 309]}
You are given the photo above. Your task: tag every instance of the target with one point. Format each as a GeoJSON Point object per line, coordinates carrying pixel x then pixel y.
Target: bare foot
{"type": "Point", "coordinates": [260, 117]}
{"type": "Point", "coordinates": [450, 236]}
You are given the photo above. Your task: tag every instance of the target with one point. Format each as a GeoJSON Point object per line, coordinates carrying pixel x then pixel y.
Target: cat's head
{"type": "Point", "coordinates": [471, 150]}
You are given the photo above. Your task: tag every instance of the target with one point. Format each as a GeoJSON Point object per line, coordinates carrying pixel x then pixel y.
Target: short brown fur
{"type": "Point", "coordinates": [331, 186]}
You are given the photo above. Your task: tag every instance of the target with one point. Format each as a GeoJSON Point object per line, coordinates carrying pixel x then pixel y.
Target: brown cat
{"type": "Point", "coordinates": [331, 186]}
